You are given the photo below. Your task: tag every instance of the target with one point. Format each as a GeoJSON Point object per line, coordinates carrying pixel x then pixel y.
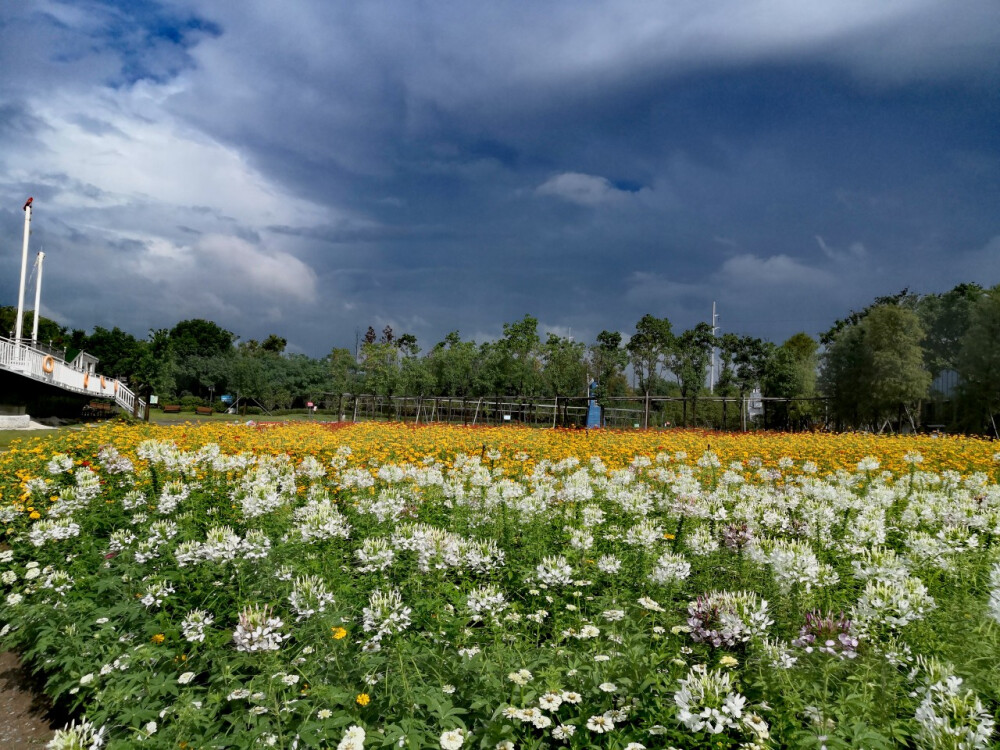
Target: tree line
{"type": "Point", "coordinates": [872, 369]}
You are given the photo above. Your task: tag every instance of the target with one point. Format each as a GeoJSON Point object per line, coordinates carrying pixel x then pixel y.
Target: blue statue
{"type": "Point", "coordinates": [593, 409]}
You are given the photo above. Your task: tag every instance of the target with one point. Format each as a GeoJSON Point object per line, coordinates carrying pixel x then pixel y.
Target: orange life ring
{"type": "Point", "coordinates": [86, 379]}
{"type": "Point", "coordinates": [48, 364]}
{"type": "Point", "coordinates": [116, 386]}
{"type": "Point", "coordinates": [102, 383]}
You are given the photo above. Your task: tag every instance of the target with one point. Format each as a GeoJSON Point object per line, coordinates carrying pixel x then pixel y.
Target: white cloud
{"type": "Point", "coordinates": [218, 262]}
{"type": "Point", "coordinates": [585, 189]}
{"type": "Point", "coordinates": [775, 270]}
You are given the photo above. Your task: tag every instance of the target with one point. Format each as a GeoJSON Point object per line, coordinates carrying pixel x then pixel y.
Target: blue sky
{"type": "Point", "coordinates": [312, 168]}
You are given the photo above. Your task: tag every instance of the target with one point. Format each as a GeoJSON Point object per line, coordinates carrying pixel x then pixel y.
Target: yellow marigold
{"type": "Point", "coordinates": [158, 638]}
{"type": "Point", "coordinates": [35, 515]}
{"type": "Point", "coordinates": [363, 699]}
{"type": "Point", "coordinates": [338, 633]}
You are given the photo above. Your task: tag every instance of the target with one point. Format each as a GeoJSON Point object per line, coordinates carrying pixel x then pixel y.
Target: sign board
{"type": "Point", "coordinates": [154, 400]}
{"type": "Point", "coordinates": [309, 404]}
{"type": "Point", "coordinates": [506, 417]}
{"type": "Point", "coordinates": [226, 399]}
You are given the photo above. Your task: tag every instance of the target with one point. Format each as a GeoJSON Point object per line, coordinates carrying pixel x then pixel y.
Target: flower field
{"type": "Point", "coordinates": [373, 585]}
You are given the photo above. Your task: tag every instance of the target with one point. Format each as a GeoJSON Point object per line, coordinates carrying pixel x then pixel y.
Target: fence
{"type": "Point", "coordinates": [715, 412]}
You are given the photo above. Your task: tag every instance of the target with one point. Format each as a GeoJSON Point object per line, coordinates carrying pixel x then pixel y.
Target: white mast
{"type": "Point", "coordinates": [24, 270]}
{"type": "Point", "coordinates": [38, 298]}
{"type": "Point", "coordinates": [715, 328]}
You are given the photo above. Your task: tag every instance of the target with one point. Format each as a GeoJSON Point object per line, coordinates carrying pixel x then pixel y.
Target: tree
{"type": "Point", "coordinates": [274, 344]}
{"type": "Point", "coordinates": [119, 353]}
{"type": "Point", "coordinates": [200, 338]}
{"type": "Point", "coordinates": [407, 345]}
{"type": "Point", "coordinates": [745, 361]}
{"type": "Point", "coordinates": [647, 348]}
{"type": "Point", "coordinates": [343, 371]}
{"type": "Point", "coordinates": [453, 365]}
{"type": "Point", "coordinates": [791, 374]}
{"type": "Point", "coordinates": [902, 298]}
{"type": "Point", "coordinates": [155, 370]}
{"type": "Point", "coordinates": [380, 365]}
{"type": "Point", "coordinates": [563, 368]}
{"type": "Point", "coordinates": [979, 360]}
{"type": "Point", "coordinates": [519, 346]}
{"type": "Point", "coordinates": [945, 319]}
{"type": "Point", "coordinates": [873, 370]}
{"type": "Point", "coordinates": [688, 360]}
{"type": "Point", "coordinates": [898, 379]}
{"type": "Point", "coordinates": [607, 361]}
{"type": "Point", "coordinates": [48, 329]}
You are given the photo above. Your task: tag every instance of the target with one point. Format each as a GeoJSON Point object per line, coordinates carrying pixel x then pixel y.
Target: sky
{"type": "Point", "coordinates": [311, 168]}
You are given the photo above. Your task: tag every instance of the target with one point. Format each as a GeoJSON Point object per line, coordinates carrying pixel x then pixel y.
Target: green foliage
{"type": "Point", "coordinates": [648, 349]}
{"type": "Point", "coordinates": [48, 329]}
{"type": "Point", "coordinates": [200, 338]}
{"type": "Point", "coordinates": [873, 370]}
{"type": "Point", "coordinates": [979, 359]}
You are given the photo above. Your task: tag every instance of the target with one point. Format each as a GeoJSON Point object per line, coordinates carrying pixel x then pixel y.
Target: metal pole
{"type": "Point", "coordinates": [38, 298]}
{"type": "Point", "coordinates": [24, 271]}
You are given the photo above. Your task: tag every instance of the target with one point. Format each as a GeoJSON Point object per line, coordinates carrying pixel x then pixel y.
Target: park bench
{"type": "Point", "coordinates": [98, 410]}
{"type": "Point", "coordinates": [171, 408]}
{"type": "Point", "coordinates": [206, 410]}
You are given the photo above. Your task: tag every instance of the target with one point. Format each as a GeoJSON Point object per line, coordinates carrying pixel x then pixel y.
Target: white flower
{"type": "Point", "coordinates": [651, 604]}
{"type": "Point", "coordinates": [550, 701]}
{"type": "Point", "coordinates": [449, 689]}
{"type": "Point", "coordinates": [324, 713]}
{"type": "Point", "coordinates": [608, 687]}
{"type": "Point", "coordinates": [87, 679]}
{"type": "Point", "coordinates": [354, 738]}
{"type": "Point", "coordinates": [564, 731]}
{"type": "Point", "coordinates": [600, 724]}
{"type": "Point", "coordinates": [185, 678]}
{"type": "Point", "coordinates": [521, 677]}
{"type": "Point", "coordinates": [150, 728]}
{"type": "Point", "coordinates": [290, 679]}
{"type": "Point", "coordinates": [453, 739]}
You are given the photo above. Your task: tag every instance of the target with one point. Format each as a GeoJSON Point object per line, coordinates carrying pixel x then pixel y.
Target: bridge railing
{"type": "Point", "coordinates": [32, 363]}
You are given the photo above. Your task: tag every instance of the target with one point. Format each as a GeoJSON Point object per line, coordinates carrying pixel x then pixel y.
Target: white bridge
{"type": "Point", "coordinates": [46, 368]}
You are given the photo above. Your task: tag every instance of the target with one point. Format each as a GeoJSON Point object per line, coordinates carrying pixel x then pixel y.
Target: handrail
{"type": "Point", "coordinates": [29, 362]}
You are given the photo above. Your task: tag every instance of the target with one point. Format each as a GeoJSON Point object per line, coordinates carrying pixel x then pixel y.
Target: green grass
{"type": "Point", "coordinates": [9, 436]}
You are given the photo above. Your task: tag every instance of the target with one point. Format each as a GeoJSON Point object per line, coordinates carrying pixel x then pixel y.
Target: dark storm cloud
{"type": "Point", "coordinates": [316, 168]}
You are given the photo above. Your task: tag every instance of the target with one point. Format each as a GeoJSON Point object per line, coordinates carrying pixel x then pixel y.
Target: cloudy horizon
{"type": "Point", "coordinates": [313, 169]}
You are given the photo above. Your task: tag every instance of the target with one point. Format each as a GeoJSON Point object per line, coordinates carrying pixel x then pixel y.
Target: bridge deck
{"type": "Point", "coordinates": [43, 367]}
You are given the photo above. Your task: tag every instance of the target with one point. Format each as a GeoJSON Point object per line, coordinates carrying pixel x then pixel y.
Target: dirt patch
{"type": "Point", "coordinates": [23, 713]}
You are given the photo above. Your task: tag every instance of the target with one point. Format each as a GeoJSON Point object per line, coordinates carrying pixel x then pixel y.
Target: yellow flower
{"type": "Point", "coordinates": [158, 638]}
{"type": "Point", "coordinates": [35, 515]}
{"type": "Point", "coordinates": [338, 633]}
{"type": "Point", "coordinates": [363, 699]}
{"type": "Point", "coordinates": [728, 661]}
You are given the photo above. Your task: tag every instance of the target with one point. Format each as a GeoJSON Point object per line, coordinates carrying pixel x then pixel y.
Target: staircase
{"type": "Point", "coordinates": [33, 363]}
